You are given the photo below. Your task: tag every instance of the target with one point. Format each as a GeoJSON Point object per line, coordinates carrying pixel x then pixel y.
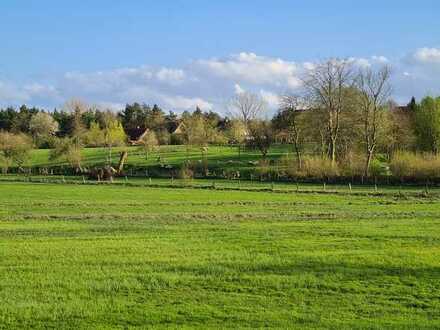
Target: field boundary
{"type": "Point", "coordinates": [213, 185]}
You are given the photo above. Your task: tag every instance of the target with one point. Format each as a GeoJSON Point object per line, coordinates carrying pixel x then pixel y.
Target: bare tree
{"type": "Point", "coordinates": [77, 107]}
{"type": "Point", "coordinates": [326, 85]}
{"type": "Point", "coordinates": [289, 114]}
{"type": "Point", "coordinates": [375, 90]}
{"type": "Point", "coordinates": [261, 135]}
{"type": "Point", "coordinates": [247, 107]}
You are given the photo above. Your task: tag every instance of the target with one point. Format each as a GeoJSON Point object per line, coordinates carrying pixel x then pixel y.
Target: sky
{"type": "Point", "coordinates": [186, 53]}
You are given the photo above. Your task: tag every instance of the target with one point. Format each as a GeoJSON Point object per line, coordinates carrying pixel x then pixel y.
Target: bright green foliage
{"type": "Point", "coordinates": [94, 136]}
{"type": "Point", "coordinates": [119, 257]}
{"type": "Point", "coordinates": [428, 124]}
{"type": "Point", "coordinates": [148, 142]}
{"type": "Point", "coordinates": [14, 149]}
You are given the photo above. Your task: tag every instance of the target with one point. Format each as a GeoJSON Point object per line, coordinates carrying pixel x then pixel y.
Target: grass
{"type": "Point", "coordinates": [222, 157]}
{"type": "Point", "coordinates": [109, 256]}
{"type": "Point", "coordinates": [239, 185]}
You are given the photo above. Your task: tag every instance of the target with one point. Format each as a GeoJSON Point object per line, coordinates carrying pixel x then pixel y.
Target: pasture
{"type": "Point", "coordinates": [174, 155]}
{"type": "Point", "coordinates": [113, 256]}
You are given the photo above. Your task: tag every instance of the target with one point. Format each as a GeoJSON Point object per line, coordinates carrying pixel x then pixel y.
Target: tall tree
{"type": "Point", "coordinates": [374, 90]}
{"type": "Point", "coordinates": [326, 85]}
{"type": "Point", "coordinates": [427, 121]}
{"type": "Point", "coordinates": [247, 107]}
{"type": "Point", "coordinates": [288, 117]}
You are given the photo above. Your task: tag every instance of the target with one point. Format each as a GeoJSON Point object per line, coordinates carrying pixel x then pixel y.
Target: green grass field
{"type": "Point", "coordinates": [89, 256]}
{"type": "Point", "coordinates": [220, 157]}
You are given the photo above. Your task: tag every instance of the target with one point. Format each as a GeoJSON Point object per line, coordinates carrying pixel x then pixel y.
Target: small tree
{"type": "Point", "coordinates": [237, 134]}
{"type": "Point", "coordinates": [42, 126]}
{"type": "Point", "coordinates": [14, 149]}
{"type": "Point", "coordinates": [114, 134]}
{"type": "Point", "coordinates": [70, 150]}
{"type": "Point", "coordinates": [261, 136]}
{"type": "Point", "coordinates": [149, 142]}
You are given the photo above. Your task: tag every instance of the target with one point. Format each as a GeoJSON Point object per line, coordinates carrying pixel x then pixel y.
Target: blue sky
{"type": "Point", "coordinates": [112, 52]}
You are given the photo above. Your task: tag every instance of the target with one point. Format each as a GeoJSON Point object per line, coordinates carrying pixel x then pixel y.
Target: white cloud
{"type": "Point", "coordinates": [272, 99]}
{"type": "Point", "coordinates": [172, 76]}
{"type": "Point", "coordinates": [427, 55]}
{"type": "Point", "coordinates": [209, 83]}
{"type": "Point", "coordinates": [238, 89]}
{"type": "Point", "coordinates": [253, 69]}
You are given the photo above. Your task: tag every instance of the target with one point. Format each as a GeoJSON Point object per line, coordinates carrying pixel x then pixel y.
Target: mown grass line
{"type": "Point", "coordinates": [212, 185]}
{"type": "Point", "coordinates": [102, 256]}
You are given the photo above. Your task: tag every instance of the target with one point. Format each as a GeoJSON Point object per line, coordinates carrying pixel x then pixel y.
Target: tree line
{"type": "Point", "coordinates": [343, 114]}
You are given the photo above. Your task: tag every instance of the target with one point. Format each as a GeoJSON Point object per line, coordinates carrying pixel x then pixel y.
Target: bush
{"type": "Point", "coordinates": [415, 167]}
{"type": "Point", "coordinates": [186, 172]}
{"type": "Point", "coordinates": [378, 168]}
{"type": "Point", "coordinates": [353, 165]}
{"type": "Point", "coordinates": [288, 166]}
{"type": "Point", "coordinates": [319, 168]}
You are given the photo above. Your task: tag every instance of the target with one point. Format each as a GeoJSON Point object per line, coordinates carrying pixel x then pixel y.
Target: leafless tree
{"type": "Point", "coordinates": [375, 90]}
{"type": "Point", "coordinates": [247, 107]}
{"type": "Point", "coordinates": [77, 108]}
{"type": "Point", "coordinates": [326, 85]}
{"type": "Point", "coordinates": [290, 111]}
{"type": "Point", "coordinates": [261, 135]}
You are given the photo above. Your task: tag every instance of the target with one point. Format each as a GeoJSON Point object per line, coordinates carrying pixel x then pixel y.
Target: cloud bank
{"type": "Point", "coordinates": [209, 83]}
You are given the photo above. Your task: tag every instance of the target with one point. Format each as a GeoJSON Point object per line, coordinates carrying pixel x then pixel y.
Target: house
{"type": "Point", "coordinates": [136, 136]}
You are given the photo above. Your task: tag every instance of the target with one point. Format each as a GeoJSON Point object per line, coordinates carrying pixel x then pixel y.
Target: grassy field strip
{"type": "Point", "coordinates": [242, 185]}
{"type": "Point", "coordinates": [102, 256]}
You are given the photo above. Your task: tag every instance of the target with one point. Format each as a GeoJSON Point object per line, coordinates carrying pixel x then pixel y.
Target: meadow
{"type": "Point", "coordinates": [121, 256]}
{"type": "Point", "coordinates": [169, 154]}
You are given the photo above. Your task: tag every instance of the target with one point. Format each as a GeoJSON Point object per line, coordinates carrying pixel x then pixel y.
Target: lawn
{"type": "Point", "coordinates": [218, 157]}
{"type": "Point", "coordinates": [113, 256]}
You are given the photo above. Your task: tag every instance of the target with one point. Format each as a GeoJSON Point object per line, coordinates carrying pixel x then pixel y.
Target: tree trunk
{"type": "Point", "coordinates": [368, 162]}
{"type": "Point", "coordinates": [298, 155]}
{"type": "Point", "coordinates": [333, 150]}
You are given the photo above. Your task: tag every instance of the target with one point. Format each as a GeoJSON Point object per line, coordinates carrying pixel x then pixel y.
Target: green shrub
{"type": "Point", "coordinates": [319, 168]}
{"type": "Point", "coordinates": [352, 165]}
{"type": "Point", "coordinates": [421, 167]}
{"type": "Point", "coordinates": [186, 172]}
